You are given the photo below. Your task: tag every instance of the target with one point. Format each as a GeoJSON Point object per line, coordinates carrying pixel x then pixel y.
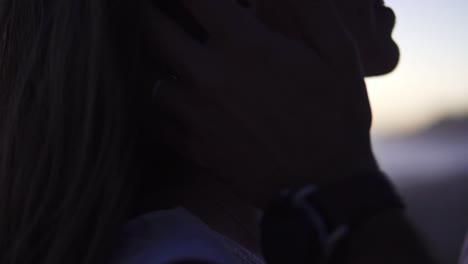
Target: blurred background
{"type": "Point", "coordinates": [420, 130]}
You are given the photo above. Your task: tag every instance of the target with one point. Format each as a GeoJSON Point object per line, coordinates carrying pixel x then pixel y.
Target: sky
{"type": "Point", "coordinates": [430, 84]}
{"type": "Point", "coordinates": [431, 81]}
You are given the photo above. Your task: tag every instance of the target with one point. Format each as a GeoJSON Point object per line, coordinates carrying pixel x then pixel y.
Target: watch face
{"type": "Point", "coordinates": [288, 236]}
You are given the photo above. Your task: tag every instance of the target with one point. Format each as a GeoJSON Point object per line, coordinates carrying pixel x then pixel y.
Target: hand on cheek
{"type": "Point", "coordinates": [262, 110]}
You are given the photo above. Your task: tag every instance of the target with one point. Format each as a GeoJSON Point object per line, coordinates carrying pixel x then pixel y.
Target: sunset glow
{"type": "Point", "coordinates": [431, 82]}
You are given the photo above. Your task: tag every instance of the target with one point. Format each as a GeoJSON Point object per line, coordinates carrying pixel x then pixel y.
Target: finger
{"type": "Point", "coordinates": [172, 100]}
{"type": "Point", "coordinates": [170, 42]}
{"type": "Point", "coordinates": [185, 105]}
{"type": "Point", "coordinates": [275, 14]}
{"type": "Point", "coordinates": [185, 120]}
{"type": "Point", "coordinates": [321, 24]}
{"type": "Point", "coordinates": [319, 18]}
{"type": "Point", "coordinates": [223, 19]}
{"type": "Point", "coordinates": [250, 6]}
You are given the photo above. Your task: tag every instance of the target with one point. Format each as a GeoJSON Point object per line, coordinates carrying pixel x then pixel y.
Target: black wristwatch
{"type": "Point", "coordinates": [308, 224]}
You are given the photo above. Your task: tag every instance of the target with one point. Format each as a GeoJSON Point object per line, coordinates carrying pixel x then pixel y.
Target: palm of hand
{"type": "Point", "coordinates": [260, 104]}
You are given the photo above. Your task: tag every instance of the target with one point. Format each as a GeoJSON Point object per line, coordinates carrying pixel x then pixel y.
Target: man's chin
{"type": "Point", "coordinates": [382, 62]}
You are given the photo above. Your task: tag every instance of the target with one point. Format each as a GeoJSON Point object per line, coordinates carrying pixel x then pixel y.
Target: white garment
{"type": "Point", "coordinates": [464, 254]}
{"type": "Point", "coordinates": [166, 236]}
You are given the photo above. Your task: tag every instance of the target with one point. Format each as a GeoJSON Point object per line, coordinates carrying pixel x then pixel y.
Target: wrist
{"type": "Point", "coordinates": [388, 237]}
{"type": "Point", "coordinates": [321, 217]}
{"type": "Point", "coordinates": [366, 241]}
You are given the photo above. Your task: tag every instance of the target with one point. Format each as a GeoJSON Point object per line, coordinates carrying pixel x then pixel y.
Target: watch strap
{"type": "Point", "coordinates": [350, 202]}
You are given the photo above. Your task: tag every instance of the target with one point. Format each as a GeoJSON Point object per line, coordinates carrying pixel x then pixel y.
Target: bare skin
{"type": "Point", "coordinates": [268, 105]}
{"type": "Point", "coordinates": [270, 108]}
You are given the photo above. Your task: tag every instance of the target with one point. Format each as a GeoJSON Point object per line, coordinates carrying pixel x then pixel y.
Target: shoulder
{"type": "Point", "coordinates": [170, 236]}
{"type": "Point", "coordinates": [464, 253]}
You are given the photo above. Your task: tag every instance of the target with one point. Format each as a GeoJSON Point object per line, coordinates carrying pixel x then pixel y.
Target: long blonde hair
{"type": "Point", "coordinates": [74, 114]}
